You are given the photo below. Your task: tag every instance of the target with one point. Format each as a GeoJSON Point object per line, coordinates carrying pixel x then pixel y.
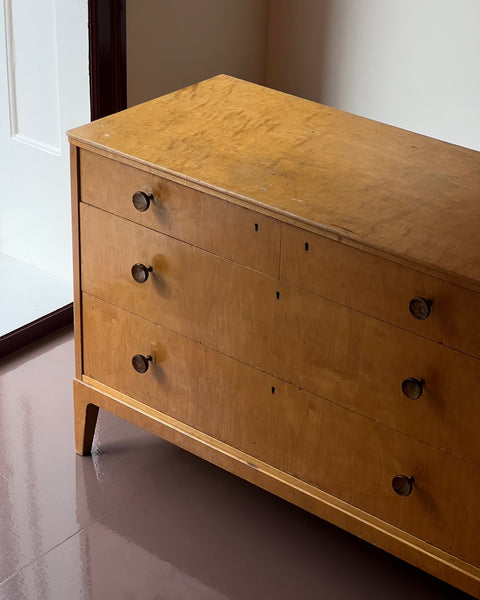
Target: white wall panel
{"type": "Point", "coordinates": [33, 73]}
{"type": "Point", "coordinates": [49, 61]}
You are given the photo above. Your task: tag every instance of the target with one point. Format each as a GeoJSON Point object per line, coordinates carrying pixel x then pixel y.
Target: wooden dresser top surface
{"type": "Point", "coordinates": [386, 190]}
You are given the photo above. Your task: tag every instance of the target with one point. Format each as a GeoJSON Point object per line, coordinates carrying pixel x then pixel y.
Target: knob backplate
{"type": "Point", "coordinates": [140, 272]}
{"type": "Point", "coordinates": [141, 200]}
{"type": "Point", "coordinates": [420, 308]}
{"type": "Point", "coordinates": [403, 485]}
{"type": "Point", "coordinates": [412, 387]}
{"type": "Point", "coordinates": [140, 362]}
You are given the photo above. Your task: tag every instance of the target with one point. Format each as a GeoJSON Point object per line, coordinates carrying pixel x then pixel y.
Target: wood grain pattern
{"type": "Point", "coordinates": [285, 241]}
{"type": "Point", "coordinates": [385, 188]}
{"type": "Point", "coordinates": [381, 288]}
{"type": "Point", "coordinates": [368, 527]}
{"type": "Point", "coordinates": [321, 346]}
{"type": "Point", "coordinates": [317, 441]}
{"type": "Point", "coordinates": [200, 219]}
{"type": "Point", "coordinates": [86, 415]}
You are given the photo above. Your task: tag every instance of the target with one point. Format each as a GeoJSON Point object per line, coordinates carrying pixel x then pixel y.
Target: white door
{"type": "Point", "coordinates": [44, 90]}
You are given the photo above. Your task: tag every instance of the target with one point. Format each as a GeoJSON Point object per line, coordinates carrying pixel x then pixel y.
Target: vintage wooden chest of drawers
{"type": "Point", "coordinates": [292, 293]}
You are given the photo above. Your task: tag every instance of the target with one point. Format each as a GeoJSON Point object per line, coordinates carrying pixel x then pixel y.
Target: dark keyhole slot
{"type": "Point", "coordinates": [256, 226]}
{"type": "Point", "coordinates": [273, 389]}
{"type": "Point", "coordinates": [306, 246]}
{"type": "Point", "coordinates": [278, 295]}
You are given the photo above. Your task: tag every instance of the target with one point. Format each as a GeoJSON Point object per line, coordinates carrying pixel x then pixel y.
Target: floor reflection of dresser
{"type": "Point", "coordinates": [292, 293]}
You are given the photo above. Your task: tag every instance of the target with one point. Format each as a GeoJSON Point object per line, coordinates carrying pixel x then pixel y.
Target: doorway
{"type": "Point", "coordinates": [62, 66]}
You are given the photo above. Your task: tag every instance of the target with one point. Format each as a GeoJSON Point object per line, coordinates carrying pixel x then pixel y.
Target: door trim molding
{"type": "Point", "coordinates": [108, 56]}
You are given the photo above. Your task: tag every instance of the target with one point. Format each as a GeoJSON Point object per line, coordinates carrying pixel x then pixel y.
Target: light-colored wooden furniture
{"type": "Point", "coordinates": [292, 293]}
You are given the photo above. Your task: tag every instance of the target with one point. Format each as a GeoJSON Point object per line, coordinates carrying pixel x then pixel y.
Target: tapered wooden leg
{"type": "Point", "coordinates": [85, 418]}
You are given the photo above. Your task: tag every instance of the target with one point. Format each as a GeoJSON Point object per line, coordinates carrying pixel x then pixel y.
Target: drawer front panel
{"type": "Point", "coordinates": [243, 236]}
{"type": "Point", "coordinates": [381, 288]}
{"type": "Point", "coordinates": [321, 346]}
{"type": "Point", "coordinates": [311, 438]}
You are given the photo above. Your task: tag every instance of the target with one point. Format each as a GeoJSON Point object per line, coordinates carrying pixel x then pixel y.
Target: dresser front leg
{"type": "Point", "coordinates": [86, 415]}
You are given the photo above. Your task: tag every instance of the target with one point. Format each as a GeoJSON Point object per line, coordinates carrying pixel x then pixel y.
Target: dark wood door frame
{"type": "Point", "coordinates": [108, 56]}
{"type": "Point", "coordinates": [108, 94]}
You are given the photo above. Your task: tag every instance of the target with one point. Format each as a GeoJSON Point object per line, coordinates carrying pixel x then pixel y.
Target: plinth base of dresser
{"type": "Point", "coordinates": [90, 395]}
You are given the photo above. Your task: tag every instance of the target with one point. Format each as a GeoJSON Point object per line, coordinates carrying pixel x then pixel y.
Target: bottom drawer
{"type": "Point", "coordinates": [333, 448]}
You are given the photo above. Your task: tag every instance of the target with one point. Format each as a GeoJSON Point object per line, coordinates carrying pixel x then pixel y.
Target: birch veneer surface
{"type": "Point", "coordinates": [293, 296]}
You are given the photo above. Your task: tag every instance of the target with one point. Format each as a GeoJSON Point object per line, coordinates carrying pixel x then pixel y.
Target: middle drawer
{"type": "Point", "coordinates": [323, 347]}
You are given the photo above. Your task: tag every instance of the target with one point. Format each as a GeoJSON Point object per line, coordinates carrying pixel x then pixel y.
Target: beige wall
{"type": "Point", "coordinates": [174, 43]}
{"type": "Point", "coordinates": [414, 64]}
{"type": "Point", "coordinates": [297, 46]}
{"type": "Point", "coordinates": [411, 63]}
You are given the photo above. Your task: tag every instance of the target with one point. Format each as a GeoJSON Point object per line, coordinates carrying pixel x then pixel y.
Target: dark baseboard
{"type": "Point", "coordinates": [36, 330]}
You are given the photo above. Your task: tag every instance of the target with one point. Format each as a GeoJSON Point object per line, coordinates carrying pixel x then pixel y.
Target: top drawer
{"type": "Point", "coordinates": [233, 232]}
{"type": "Point", "coordinates": [381, 288]}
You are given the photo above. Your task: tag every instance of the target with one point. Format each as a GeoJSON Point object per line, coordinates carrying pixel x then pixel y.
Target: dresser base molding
{"type": "Point", "coordinates": [90, 395]}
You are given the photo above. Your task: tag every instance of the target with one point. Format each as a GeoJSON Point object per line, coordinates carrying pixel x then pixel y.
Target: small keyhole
{"type": "Point", "coordinates": [306, 246]}
{"type": "Point", "coordinates": [256, 226]}
{"type": "Point", "coordinates": [278, 295]}
{"type": "Point", "coordinates": [273, 389]}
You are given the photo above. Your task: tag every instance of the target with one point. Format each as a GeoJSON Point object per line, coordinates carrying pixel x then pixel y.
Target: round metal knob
{"type": "Point", "coordinates": [140, 272]}
{"type": "Point", "coordinates": [420, 307]}
{"type": "Point", "coordinates": [140, 363]}
{"type": "Point", "coordinates": [141, 200]}
{"type": "Point", "coordinates": [412, 388]}
{"type": "Point", "coordinates": [403, 484]}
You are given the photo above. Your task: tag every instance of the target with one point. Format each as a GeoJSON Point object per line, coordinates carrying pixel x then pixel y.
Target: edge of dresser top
{"type": "Point", "coordinates": [384, 190]}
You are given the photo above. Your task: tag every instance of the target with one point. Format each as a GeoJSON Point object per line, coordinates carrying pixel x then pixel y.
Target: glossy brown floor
{"type": "Point", "coordinates": [142, 519]}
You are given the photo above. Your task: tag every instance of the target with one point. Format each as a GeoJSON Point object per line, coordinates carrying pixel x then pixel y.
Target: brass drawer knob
{"type": "Point", "coordinates": [140, 363]}
{"type": "Point", "coordinates": [412, 388]}
{"type": "Point", "coordinates": [403, 484]}
{"type": "Point", "coordinates": [140, 272]}
{"type": "Point", "coordinates": [420, 307]}
{"type": "Point", "coordinates": [141, 200]}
